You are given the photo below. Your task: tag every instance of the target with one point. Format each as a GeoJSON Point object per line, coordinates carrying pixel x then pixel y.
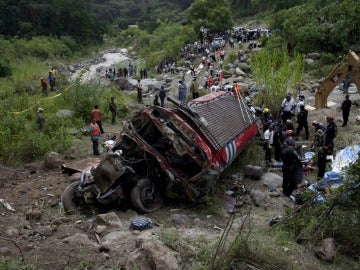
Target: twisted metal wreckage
{"type": "Point", "coordinates": [162, 153]}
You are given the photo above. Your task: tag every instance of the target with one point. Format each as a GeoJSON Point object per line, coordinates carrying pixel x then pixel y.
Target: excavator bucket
{"type": "Point", "coordinates": [341, 70]}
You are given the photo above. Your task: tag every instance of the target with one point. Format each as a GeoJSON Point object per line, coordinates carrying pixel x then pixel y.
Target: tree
{"type": "Point", "coordinates": [216, 16]}
{"type": "Point", "coordinates": [276, 75]}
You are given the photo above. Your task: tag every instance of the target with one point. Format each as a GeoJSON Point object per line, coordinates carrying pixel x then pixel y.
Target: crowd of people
{"type": "Point", "coordinates": [280, 139]}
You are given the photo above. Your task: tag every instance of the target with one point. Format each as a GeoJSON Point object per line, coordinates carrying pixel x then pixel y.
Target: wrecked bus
{"type": "Point", "coordinates": [168, 153]}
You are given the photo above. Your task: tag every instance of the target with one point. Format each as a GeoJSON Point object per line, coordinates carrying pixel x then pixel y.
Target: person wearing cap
{"type": "Point", "coordinates": [345, 107]}
{"type": "Point", "coordinates": [182, 91]}
{"type": "Point", "coordinates": [301, 101]}
{"type": "Point", "coordinates": [266, 119]}
{"type": "Point", "coordinates": [330, 132]}
{"type": "Point", "coordinates": [41, 119]}
{"type": "Point", "coordinates": [287, 107]}
{"type": "Point", "coordinates": [194, 88]}
{"type": "Point", "coordinates": [162, 96]}
{"type": "Point", "coordinates": [318, 140]}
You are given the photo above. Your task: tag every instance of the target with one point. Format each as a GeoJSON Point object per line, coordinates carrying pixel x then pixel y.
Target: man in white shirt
{"type": "Point", "coordinates": [287, 107]}
{"type": "Point", "coordinates": [268, 136]}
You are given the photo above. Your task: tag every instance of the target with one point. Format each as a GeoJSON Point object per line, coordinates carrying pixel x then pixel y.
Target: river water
{"type": "Point", "coordinates": [95, 71]}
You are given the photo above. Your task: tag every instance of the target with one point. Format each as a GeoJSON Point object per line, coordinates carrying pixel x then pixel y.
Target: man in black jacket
{"type": "Point", "coordinates": [302, 122]}
{"type": "Point", "coordinates": [290, 162]}
{"type": "Point", "coordinates": [345, 107]}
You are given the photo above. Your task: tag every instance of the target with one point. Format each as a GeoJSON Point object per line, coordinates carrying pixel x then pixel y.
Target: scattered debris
{"type": "Point", "coordinates": [7, 205]}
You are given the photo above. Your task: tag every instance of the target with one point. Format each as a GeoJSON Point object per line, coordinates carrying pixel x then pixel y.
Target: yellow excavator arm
{"type": "Point", "coordinates": [341, 70]}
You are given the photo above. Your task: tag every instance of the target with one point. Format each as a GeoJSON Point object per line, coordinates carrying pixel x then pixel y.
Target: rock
{"type": "Point", "coordinates": [79, 238]}
{"type": "Point", "coordinates": [118, 237]}
{"type": "Point", "coordinates": [271, 180]}
{"type": "Point", "coordinates": [53, 160]}
{"type": "Point", "coordinates": [309, 61]}
{"type": "Point", "coordinates": [11, 231]}
{"type": "Point", "coordinates": [5, 251]}
{"type": "Point", "coordinates": [65, 113]}
{"type": "Point", "coordinates": [110, 219]}
{"type": "Point", "coordinates": [313, 56]}
{"type": "Point", "coordinates": [100, 229]}
{"type": "Point", "coordinates": [253, 172]}
{"type": "Point", "coordinates": [238, 71]}
{"type": "Point", "coordinates": [258, 197]}
{"type": "Point", "coordinates": [153, 255]}
{"type": "Point", "coordinates": [33, 214]}
{"type": "Point", "coordinates": [34, 167]}
{"type": "Point", "coordinates": [326, 250]}
{"type": "Point", "coordinates": [180, 220]}
{"type": "Point", "coordinates": [122, 84]}
{"type": "Point", "coordinates": [45, 230]}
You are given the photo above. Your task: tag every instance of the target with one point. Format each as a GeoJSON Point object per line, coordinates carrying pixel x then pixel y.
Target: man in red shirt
{"type": "Point", "coordinates": [44, 87]}
{"type": "Point", "coordinates": [97, 116]}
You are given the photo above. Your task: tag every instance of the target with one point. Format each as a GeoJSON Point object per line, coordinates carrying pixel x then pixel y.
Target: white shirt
{"type": "Point", "coordinates": [214, 88]}
{"type": "Point", "coordinates": [269, 135]}
{"type": "Point", "coordinates": [288, 105]}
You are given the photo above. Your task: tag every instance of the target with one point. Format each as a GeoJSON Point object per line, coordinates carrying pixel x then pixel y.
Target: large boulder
{"type": "Point", "coordinates": [326, 250]}
{"type": "Point", "coordinates": [53, 160]}
{"type": "Point", "coordinates": [122, 84]}
{"type": "Point", "coordinates": [153, 255]}
{"type": "Point", "coordinates": [271, 180]}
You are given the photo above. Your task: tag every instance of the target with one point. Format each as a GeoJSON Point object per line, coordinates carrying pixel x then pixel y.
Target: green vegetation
{"type": "Point", "coordinates": [337, 217]}
{"type": "Point", "coordinates": [274, 72]}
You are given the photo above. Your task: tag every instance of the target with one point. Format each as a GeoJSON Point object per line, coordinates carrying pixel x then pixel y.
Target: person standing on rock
{"type": "Point", "coordinates": [139, 92]}
{"type": "Point", "coordinates": [182, 91]}
{"type": "Point", "coordinates": [96, 114]}
{"type": "Point", "coordinates": [345, 107]}
{"type": "Point", "coordinates": [95, 136]}
{"type": "Point", "coordinates": [113, 110]}
{"type": "Point", "coordinates": [162, 96]}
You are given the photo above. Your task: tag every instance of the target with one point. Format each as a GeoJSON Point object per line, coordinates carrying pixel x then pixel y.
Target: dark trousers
{"type": "Point", "coordinates": [277, 152]}
{"type": "Point", "coordinates": [195, 95]}
{"type": "Point", "coordinates": [267, 149]}
{"type": "Point", "coordinates": [285, 116]}
{"type": "Point", "coordinates": [289, 180]}
{"type": "Point", "coordinates": [300, 127]}
{"type": "Point", "coordinates": [345, 117]}
{"type": "Point", "coordinates": [113, 116]}
{"type": "Point", "coordinates": [95, 143]}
